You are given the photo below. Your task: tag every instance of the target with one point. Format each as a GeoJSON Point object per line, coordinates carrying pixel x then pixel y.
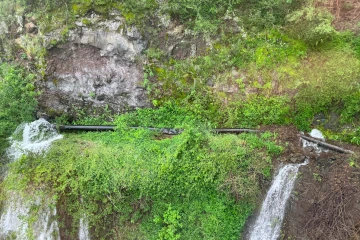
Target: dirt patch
{"type": "Point", "coordinates": [289, 137]}
{"type": "Point", "coordinates": [66, 230]}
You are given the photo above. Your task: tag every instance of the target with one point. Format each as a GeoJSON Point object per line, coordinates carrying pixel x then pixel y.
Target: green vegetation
{"type": "Point", "coordinates": [290, 84]}
{"type": "Point", "coordinates": [17, 102]}
{"type": "Point", "coordinates": [264, 62]}
{"type": "Point", "coordinates": [192, 186]}
{"type": "Point", "coordinates": [317, 177]}
{"type": "Point", "coordinates": [286, 64]}
{"type": "Point", "coordinates": [313, 25]}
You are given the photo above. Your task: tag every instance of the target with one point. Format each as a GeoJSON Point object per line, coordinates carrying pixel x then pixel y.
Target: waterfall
{"type": "Point", "coordinates": [33, 137]}
{"type": "Point", "coordinates": [315, 134]}
{"type": "Point", "coordinates": [84, 229]}
{"type": "Point", "coordinates": [268, 224]}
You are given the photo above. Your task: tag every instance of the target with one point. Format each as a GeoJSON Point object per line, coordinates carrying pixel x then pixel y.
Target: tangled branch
{"type": "Point", "coordinates": [329, 218]}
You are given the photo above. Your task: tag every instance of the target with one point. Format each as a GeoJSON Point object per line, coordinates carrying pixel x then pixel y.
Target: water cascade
{"type": "Point", "coordinates": [268, 224]}
{"type": "Point", "coordinates": [84, 229]}
{"type": "Point", "coordinates": [318, 135]}
{"type": "Point", "coordinates": [33, 137]}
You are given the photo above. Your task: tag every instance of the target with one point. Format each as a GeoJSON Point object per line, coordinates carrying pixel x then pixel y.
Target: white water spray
{"type": "Point", "coordinates": [315, 134]}
{"type": "Point", "coordinates": [268, 224]}
{"type": "Point", "coordinates": [35, 137]}
{"type": "Point", "coordinates": [84, 229]}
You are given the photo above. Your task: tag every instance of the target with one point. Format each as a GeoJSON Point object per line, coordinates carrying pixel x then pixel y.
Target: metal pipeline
{"type": "Point", "coordinates": [86, 128]}
{"type": "Point", "coordinates": [171, 131]}
{"type": "Point", "coordinates": [167, 131]}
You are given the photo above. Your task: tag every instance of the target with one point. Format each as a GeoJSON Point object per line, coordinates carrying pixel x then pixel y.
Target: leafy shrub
{"type": "Point", "coordinates": [355, 136]}
{"type": "Point", "coordinates": [356, 45]}
{"type": "Point", "coordinates": [265, 110]}
{"type": "Point", "coordinates": [351, 107]}
{"type": "Point", "coordinates": [312, 25]}
{"type": "Point", "coordinates": [262, 14]}
{"type": "Point", "coordinates": [204, 15]}
{"type": "Point", "coordinates": [327, 79]}
{"type": "Point", "coordinates": [17, 99]}
{"type": "Point", "coordinates": [167, 116]}
{"type": "Point", "coordinates": [171, 224]}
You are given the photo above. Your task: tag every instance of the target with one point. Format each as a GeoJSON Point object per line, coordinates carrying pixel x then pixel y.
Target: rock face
{"type": "Point", "coordinates": [94, 69]}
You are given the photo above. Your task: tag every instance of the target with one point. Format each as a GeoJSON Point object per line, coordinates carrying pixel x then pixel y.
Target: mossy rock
{"type": "Point", "coordinates": [83, 2]}
{"type": "Point", "coordinates": [102, 9]}
{"type": "Point", "coordinates": [80, 9]}
{"type": "Point", "coordinates": [101, 2]}
{"type": "Point", "coordinates": [86, 22]}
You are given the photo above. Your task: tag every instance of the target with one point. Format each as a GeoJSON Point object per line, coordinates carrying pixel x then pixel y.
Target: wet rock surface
{"type": "Point", "coordinates": [100, 64]}
{"type": "Point", "coordinates": [297, 158]}
{"type": "Point", "coordinates": [329, 122]}
{"type": "Point", "coordinates": [95, 69]}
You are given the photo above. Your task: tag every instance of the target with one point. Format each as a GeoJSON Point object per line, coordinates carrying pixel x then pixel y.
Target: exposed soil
{"type": "Point", "coordinates": [287, 136]}
{"type": "Point", "coordinates": [325, 203]}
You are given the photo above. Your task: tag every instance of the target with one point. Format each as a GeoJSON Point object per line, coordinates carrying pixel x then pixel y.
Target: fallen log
{"type": "Point", "coordinates": [326, 145]}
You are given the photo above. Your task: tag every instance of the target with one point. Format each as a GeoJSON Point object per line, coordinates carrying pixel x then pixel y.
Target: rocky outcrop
{"type": "Point", "coordinates": [100, 63]}
{"type": "Point", "coordinates": [94, 69]}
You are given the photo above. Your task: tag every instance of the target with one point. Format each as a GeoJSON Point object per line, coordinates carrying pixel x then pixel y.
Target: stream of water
{"type": "Point", "coordinates": [35, 137]}
{"type": "Point", "coordinates": [268, 224]}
